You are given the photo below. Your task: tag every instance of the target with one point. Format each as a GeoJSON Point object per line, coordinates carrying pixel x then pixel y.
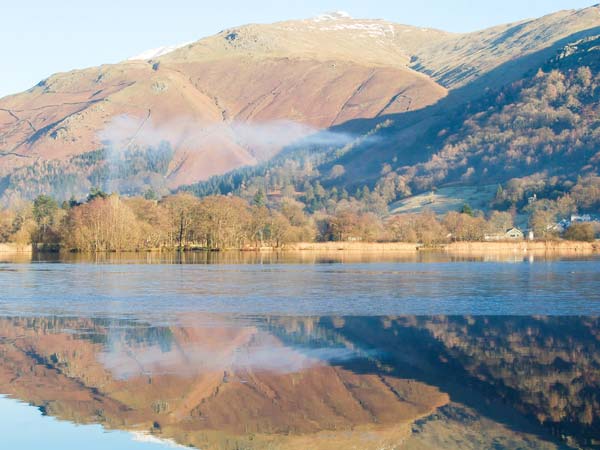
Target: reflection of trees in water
{"type": "Point", "coordinates": [547, 368]}
{"type": "Point", "coordinates": [101, 330]}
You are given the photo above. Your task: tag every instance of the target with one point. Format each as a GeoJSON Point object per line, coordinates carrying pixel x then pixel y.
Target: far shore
{"type": "Point", "coordinates": [504, 247]}
{"type": "Point", "coordinates": [524, 247]}
{"type": "Point", "coordinates": [465, 248]}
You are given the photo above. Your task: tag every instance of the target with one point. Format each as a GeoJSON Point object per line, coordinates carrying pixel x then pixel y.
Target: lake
{"type": "Point", "coordinates": [289, 351]}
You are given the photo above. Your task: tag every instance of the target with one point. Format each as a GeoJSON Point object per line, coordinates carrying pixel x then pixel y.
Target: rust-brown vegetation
{"type": "Point", "coordinates": [184, 221]}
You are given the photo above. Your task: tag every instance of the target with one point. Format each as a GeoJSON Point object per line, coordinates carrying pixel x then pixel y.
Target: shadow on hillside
{"type": "Point", "coordinates": [412, 135]}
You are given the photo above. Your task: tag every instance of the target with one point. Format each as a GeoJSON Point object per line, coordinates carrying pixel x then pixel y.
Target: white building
{"type": "Point", "coordinates": [511, 234]}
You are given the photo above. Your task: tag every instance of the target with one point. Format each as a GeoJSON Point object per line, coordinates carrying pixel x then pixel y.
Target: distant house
{"type": "Point", "coordinates": [564, 224]}
{"type": "Point", "coordinates": [511, 234]}
{"type": "Point", "coordinates": [352, 238]}
{"type": "Point", "coordinates": [559, 227]}
{"type": "Point", "coordinates": [514, 233]}
{"type": "Point", "coordinates": [575, 218]}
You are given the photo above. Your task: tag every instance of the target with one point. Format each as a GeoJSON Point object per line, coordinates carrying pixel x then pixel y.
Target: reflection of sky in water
{"type": "Point", "coordinates": [244, 349]}
{"type": "Point", "coordinates": [35, 431]}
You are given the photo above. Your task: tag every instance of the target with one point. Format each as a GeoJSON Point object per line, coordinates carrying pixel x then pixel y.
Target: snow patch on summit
{"type": "Point", "coordinates": [157, 52]}
{"type": "Point", "coordinates": [369, 29]}
{"type": "Point", "coordinates": [335, 15]}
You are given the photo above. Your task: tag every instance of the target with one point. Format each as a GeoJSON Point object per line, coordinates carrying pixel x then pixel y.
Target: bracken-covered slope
{"type": "Point", "coordinates": [237, 98]}
{"type": "Point", "coordinates": [199, 97]}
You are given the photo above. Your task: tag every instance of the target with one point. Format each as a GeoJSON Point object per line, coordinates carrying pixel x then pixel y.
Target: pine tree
{"type": "Point", "coordinates": [259, 198]}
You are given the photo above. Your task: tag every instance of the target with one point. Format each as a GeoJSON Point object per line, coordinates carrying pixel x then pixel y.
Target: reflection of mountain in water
{"type": "Point", "coordinates": [217, 385]}
{"type": "Point", "coordinates": [546, 368]}
{"type": "Point", "coordinates": [284, 382]}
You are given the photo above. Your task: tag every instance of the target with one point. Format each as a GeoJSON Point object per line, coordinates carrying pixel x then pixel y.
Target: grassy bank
{"type": "Point", "coordinates": [354, 246]}
{"type": "Point", "coordinates": [15, 248]}
{"type": "Point", "coordinates": [515, 247]}
{"type": "Point", "coordinates": [455, 247]}
{"type": "Point", "coordinates": [524, 247]}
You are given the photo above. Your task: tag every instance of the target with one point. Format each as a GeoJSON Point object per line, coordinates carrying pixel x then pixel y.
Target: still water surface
{"type": "Point", "coordinates": [282, 352]}
{"type": "Point", "coordinates": [328, 286]}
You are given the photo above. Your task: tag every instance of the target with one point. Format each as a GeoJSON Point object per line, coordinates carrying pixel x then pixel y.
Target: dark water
{"type": "Point", "coordinates": [281, 352]}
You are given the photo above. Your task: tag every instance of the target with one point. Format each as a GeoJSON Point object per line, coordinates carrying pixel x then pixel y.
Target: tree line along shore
{"type": "Point", "coordinates": [183, 221]}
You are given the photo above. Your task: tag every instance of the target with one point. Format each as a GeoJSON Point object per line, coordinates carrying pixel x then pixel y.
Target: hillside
{"type": "Point", "coordinates": [461, 59]}
{"type": "Point", "coordinates": [230, 100]}
{"type": "Point", "coordinates": [239, 97]}
{"type": "Point", "coordinates": [535, 135]}
{"type": "Point", "coordinates": [544, 124]}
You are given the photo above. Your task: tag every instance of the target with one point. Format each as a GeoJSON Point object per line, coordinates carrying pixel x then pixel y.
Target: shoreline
{"type": "Point", "coordinates": [14, 248]}
{"type": "Point", "coordinates": [524, 247]}
{"type": "Point", "coordinates": [518, 247]}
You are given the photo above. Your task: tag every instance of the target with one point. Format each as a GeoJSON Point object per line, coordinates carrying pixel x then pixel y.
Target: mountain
{"type": "Point", "coordinates": [238, 98]}
{"type": "Point", "coordinates": [536, 134]}
{"type": "Point", "coordinates": [281, 79]}
{"type": "Point", "coordinates": [462, 59]}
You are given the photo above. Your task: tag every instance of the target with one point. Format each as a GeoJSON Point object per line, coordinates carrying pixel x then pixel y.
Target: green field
{"type": "Point", "coordinates": [445, 199]}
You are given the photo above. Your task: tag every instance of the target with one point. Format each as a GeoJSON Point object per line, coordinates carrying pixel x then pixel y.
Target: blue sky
{"type": "Point", "coordinates": [39, 37]}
